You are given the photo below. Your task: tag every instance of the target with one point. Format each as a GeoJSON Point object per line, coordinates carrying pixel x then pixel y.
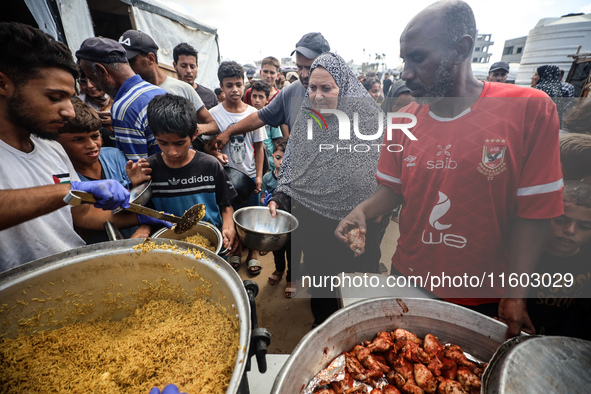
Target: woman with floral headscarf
{"type": "Point", "coordinates": [327, 170]}
{"type": "Point", "coordinates": [547, 79]}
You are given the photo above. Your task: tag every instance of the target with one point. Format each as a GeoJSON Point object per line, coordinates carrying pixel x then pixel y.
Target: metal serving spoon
{"type": "Point", "coordinates": [183, 224]}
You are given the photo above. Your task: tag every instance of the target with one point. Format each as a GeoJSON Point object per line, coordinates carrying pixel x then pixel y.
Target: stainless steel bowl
{"type": "Point", "coordinates": [140, 194]}
{"type": "Point", "coordinates": [205, 229]}
{"type": "Point", "coordinates": [259, 231]}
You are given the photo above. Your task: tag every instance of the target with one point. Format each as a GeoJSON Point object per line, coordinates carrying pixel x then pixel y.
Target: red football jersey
{"type": "Point", "coordinates": [465, 179]}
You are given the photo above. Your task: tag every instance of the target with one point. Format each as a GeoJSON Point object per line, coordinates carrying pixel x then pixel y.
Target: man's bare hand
{"type": "Point", "coordinates": [220, 140]}
{"type": "Point", "coordinates": [513, 312]}
{"type": "Point", "coordinates": [354, 220]}
{"type": "Point", "coordinates": [138, 172]}
{"type": "Point", "coordinates": [273, 208]}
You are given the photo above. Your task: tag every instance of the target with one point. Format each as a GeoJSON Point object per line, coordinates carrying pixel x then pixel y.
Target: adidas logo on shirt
{"type": "Point", "coordinates": [190, 181]}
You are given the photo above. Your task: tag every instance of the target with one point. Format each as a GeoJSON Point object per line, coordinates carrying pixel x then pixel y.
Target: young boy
{"type": "Point", "coordinates": [557, 306]}
{"type": "Point", "coordinates": [220, 95]}
{"type": "Point", "coordinates": [269, 71]}
{"type": "Point", "coordinates": [82, 141]}
{"type": "Point", "coordinates": [269, 185]}
{"type": "Point", "coordinates": [260, 97]}
{"type": "Point", "coordinates": [182, 177]}
{"type": "Point", "coordinates": [244, 152]}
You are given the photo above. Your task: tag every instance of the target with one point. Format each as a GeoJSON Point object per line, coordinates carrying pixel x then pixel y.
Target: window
{"type": "Point", "coordinates": [508, 50]}
{"type": "Point", "coordinates": [477, 49]}
{"type": "Point", "coordinates": [519, 50]}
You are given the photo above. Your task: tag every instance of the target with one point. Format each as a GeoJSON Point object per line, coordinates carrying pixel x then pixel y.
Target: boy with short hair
{"type": "Point", "coordinates": [245, 152]}
{"type": "Point", "coordinates": [82, 141]}
{"type": "Point", "coordinates": [260, 97]}
{"type": "Point", "coordinates": [183, 177]}
{"type": "Point", "coordinates": [575, 156]}
{"type": "Point", "coordinates": [555, 306]}
{"type": "Point", "coordinates": [269, 71]}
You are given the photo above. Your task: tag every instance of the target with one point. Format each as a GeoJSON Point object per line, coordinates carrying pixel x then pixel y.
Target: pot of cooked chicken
{"type": "Point", "coordinates": [391, 346]}
{"type": "Point", "coordinates": [123, 317]}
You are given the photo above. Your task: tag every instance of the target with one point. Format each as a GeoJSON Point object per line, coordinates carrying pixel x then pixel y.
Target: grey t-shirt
{"type": "Point", "coordinates": [207, 96]}
{"type": "Point", "coordinates": [180, 88]}
{"type": "Point", "coordinates": [285, 106]}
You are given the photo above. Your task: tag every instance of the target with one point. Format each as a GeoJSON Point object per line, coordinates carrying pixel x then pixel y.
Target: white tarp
{"type": "Point", "coordinates": [76, 22]}
{"type": "Point", "coordinates": [168, 33]}
{"type": "Point", "coordinates": [42, 15]}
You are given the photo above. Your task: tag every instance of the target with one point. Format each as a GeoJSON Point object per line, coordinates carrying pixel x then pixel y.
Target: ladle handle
{"type": "Point", "coordinates": [77, 197]}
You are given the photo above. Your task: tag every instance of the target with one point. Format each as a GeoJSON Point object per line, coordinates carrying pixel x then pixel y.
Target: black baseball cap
{"type": "Point", "coordinates": [101, 50]}
{"type": "Point", "coordinates": [311, 45]}
{"type": "Point", "coordinates": [136, 42]}
{"type": "Point", "coordinates": [499, 66]}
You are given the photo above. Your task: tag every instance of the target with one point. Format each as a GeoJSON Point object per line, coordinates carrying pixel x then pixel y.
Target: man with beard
{"type": "Point", "coordinates": [483, 179]}
{"type": "Point", "coordinates": [104, 63]}
{"type": "Point", "coordinates": [37, 77]}
{"type": "Point", "coordinates": [286, 105]}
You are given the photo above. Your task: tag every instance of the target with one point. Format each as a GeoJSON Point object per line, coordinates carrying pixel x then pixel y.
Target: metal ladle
{"type": "Point", "coordinates": [183, 224]}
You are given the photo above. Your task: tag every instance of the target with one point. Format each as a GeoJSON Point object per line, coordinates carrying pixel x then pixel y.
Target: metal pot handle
{"type": "Point", "coordinates": [260, 337]}
{"type": "Point", "coordinates": [112, 232]}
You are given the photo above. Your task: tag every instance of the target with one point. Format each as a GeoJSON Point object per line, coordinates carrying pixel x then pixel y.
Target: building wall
{"type": "Point", "coordinates": [481, 54]}
{"type": "Point", "coordinates": [513, 50]}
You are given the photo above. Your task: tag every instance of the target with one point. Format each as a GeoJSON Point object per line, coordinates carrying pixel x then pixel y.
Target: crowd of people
{"type": "Point", "coordinates": [478, 184]}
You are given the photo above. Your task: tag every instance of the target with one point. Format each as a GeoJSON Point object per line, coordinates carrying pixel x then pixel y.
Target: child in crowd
{"type": "Point", "coordinates": [259, 96]}
{"type": "Point", "coordinates": [243, 152]}
{"type": "Point", "coordinates": [575, 156]}
{"type": "Point", "coordinates": [269, 71]}
{"type": "Point", "coordinates": [220, 95]}
{"type": "Point", "coordinates": [183, 177]}
{"type": "Point", "coordinates": [558, 305]}
{"type": "Point", "coordinates": [83, 143]}
{"type": "Point", "coordinates": [269, 185]}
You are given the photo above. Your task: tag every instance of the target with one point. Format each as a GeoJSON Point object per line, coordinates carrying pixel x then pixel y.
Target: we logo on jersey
{"type": "Point", "coordinates": [436, 234]}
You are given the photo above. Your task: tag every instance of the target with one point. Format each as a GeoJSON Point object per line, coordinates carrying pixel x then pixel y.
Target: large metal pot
{"type": "Point", "coordinates": [477, 334]}
{"type": "Point", "coordinates": [115, 267]}
{"type": "Point", "coordinates": [205, 229]}
{"type": "Point", "coordinates": [539, 364]}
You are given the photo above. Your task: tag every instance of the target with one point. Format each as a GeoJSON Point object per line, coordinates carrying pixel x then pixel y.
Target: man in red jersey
{"type": "Point", "coordinates": [479, 185]}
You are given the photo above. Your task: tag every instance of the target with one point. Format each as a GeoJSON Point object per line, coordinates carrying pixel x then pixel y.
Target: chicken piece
{"type": "Point", "coordinates": [415, 353]}
{"type": "Point", "coordinates": [391, 357]}
{"type": "Point", "coordinates": [358, 372]}
{"type": "Point", "coordinates": [435, 366]}
{"type": "Point", "coordinates": [410, 387]}
{"type": "Point", "coordinates": [341, 387]}
{"type": "Point", "coordinates": [450, 387]}
{"type": "Point", "coordinates": [376, 391]}
{"type": "Point", "coordinates": [470, 381]}
{"type": "Point", "coordinates": [425, 378]}
{"type": "Point", "coordinates": [389, 389]}
{"type": "Point", "coordinates": [325, 391]}
{"type": "Point", "coordinates": [356, 241]}
{"type": "Point", "coordinates": [449, 369]}
{"type": "Point", "coordinates": [404, 367]}
{"type": "Point", "coordinates": [383, 342]}
{"type": "Point", "coordinates": [433, 347]}
{"type": "Point", "coordinates": [456, 354]}
{"type": "Point", "coordinates": [370, 361]}
{"type": "Point", "coordinates": [401, 337]}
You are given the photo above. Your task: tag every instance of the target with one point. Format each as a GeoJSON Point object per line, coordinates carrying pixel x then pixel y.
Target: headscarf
{"type": "Point", "coordinates": [332, 182]}
{"type": "Point", "coordinates": [549, 80]}
{"type": "Point", "coordinates": [550, 84]}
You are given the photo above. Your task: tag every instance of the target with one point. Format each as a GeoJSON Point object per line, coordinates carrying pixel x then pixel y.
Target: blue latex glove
{"type": "Point", "coordinates": [170, 389]}
{"type": "Point", "coordinates": [152, 222]}
{"type": "Point", "coordinates": [109, 194]}
{"type": "Point", "coordinates": [267, 198]}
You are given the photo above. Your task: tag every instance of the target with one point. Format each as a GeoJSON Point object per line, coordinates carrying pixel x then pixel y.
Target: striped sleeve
{"type": "Point", "coordinates": [539, 193]}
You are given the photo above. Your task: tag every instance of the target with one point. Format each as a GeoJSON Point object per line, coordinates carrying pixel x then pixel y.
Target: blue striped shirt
{"type": "Point", "coordinates": [130, 121]}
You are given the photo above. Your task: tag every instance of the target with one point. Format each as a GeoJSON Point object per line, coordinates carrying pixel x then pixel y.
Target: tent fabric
{"type": "Point", "coordinates": [205, 43]}
{"type": "Point", "coordinates": [42, 14]}
{"type": "Point", "coordinates": [79, 26]}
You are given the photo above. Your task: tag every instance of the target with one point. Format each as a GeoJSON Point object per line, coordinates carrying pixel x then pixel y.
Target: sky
{"type": "Point", "coordinates": [252, 29]}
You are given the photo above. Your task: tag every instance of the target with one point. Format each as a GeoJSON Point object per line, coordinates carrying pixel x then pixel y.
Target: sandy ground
{"type": "Point", "coordinates": [289, 320]}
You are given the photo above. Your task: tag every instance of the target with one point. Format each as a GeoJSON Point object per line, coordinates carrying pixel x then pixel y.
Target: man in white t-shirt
{"type": "Point", "coordinates": [37, 77]}
{"type": "Point", "coordinates": [142, 53]}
